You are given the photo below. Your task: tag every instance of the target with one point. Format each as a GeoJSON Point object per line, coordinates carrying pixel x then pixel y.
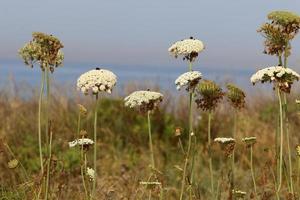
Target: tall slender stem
{"type": "Point", "coordinates": [95, 147]}
{"type": "Point", "coordinates": [252, 170]}
{"type": "Point", "coordinates": [187, 156]}
{"type": "Point", "coordinates": [83, 161]}
{"type": "Point", "coordinates": [47, 105]}
{"type": "Point", "coordinates": [150, 141]}
{"type": "Point", "coordinates": [49, 165]}
{"type": "Point", "coordinates": [210, 156]}
{"type": "Point", "coordinates": [281, 140]}
{"type": "Point", "coordinates": [39, 121]}
{"type": "Point", "coordinates": [233, 153]}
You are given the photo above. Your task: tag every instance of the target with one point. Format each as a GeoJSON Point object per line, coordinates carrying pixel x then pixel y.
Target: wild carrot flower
{"type": "Point", "coordinates": [224, 140]}
{"type": "Point", "coordinates": [85, 142]}
{"type": "Point", "coordinates": [249, 141]}
{"type": "Point", "coordinates": [144, 100]}
{"type": "Point", "coordinates": [82, 110]}
{"type": "Point", "coordinates": [188, 79]}
{"type": "Point", "coordinates": [12, 164]}
{"type": "Point", "coordinates": [187, 48]}
{"type": "Point", "coordinates": [239, 193]}
{"type": "Point", "coordinates": [208, 95]}
{"type": "Point", "coordinates": [97, 80]}
{"type": "Point", "coordinates": [283, 77]}
{"type": "Point", "coordinates": [227, 144]}
{"type": "Point", "coordinates": [90, 173]}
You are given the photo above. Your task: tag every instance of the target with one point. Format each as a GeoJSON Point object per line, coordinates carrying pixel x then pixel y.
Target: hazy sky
{"type": "Point", "coordinates": [139, 32]}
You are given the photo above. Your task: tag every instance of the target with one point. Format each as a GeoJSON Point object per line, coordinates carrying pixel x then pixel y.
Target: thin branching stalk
{"type": "Point", "coordinates": [40, 120]}
{"type": "Point", "coordinates": [209, 154]}
{"type": "Point", "coordinates": [187, 156]}
{"type": "Point", "coordinates": [252, 170]}
{"type": "Point", "coordinates": [47, 106]}
{"type": "Point", "coordinates": [95, 146]}
{"type": "Point", "coordinates": [49, 165]}
{"type": "Point", "coordinates": [298, 177]}
{"type": "Point", "coordinates": [281, 141]}
{"type": "Point", "coordinates": [233, 153]}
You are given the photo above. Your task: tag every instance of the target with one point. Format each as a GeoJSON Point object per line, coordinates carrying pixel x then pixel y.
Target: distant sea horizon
{"type": "Point", "coordinates": [162, 77]}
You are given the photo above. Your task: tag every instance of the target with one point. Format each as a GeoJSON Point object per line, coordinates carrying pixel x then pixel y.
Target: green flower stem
{"type": "Point", "coordinates": [298, 177]}
{"type": "Point", "coordinates": [95, 147]}
{"type": "Point", "coordinates": [48, 166]}
{"type": "Point", "coordinates": [40, 121]}
{"type": "Point", "coordinates": [210, 156]}
{"type": "Point", "coordinates": [187, 156]}
{"type": "Point", "coordinates": [47, 106]}
{"type": "Point", "coordinates": [252, 170]}
{"type": "Point", "coordinates": [83, 161]}
{"type": "Point", "coordinates": [287, 127]}
{"type": "Point", "coordinates": [78, 127]}
{"type": "Point", "coordinates": [150, 141]}
{"type": "Point", "coordinates": [281, 141]}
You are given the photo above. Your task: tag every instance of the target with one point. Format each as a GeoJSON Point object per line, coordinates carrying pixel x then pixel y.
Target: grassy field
{"type": "Point", "coordinates": [123, 158]}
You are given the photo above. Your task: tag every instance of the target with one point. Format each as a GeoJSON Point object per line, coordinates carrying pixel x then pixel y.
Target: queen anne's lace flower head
{"type": "Point", "coordinates": [97, 80]}
{"type": "Point", "coordinates": [144, 100]}
{"type": "Point", "coordinates": [188, 48]}
{"type": "Point", "coordinates": [227, 144]}
{"type": "Point", "coordinates": [249, 141]}
{"type": "Point", "coordinates": [224, 140]}
{"type": "Point", "coordinates": [90, 172]}
{"type": "Point", "coordinates": [189, 79]}
{"type": "Point", "coordinates": [43, 49]}
{"type": "Point", "coordinates": [283, 77]}
{"type": "Point", "coordinates": [235, 96]}
{"type": "Point", "coordinates": [238, 193]}
{"type": "Point", "coordinates": [81, 142]}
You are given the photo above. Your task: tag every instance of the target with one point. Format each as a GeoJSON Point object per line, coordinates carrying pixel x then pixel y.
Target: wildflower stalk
{"type": "Point", "coordinates": [252, 170]}
{"type": "Point", "coordinates": [39, 121]}
{"type": "Point", "coordinates": [83, 163]}
{"type": "Point", "coordinates": [287, 127]}
{"type": "Point", "coordinates": [48, 166]}
{"type": "Point", "coordinates": [298, 177]}
{"type": "Point", "coordinates": [210, 156]}
{"type": "Point", "coordinates": [281, 141]}
{"type": "Point", "coordinates": [150, 141]}
{"type": "Point", "coordinates": [95, 146]}
{"type": "Point", "coordinates": [47, 106]}
{"type": "Point", "coordinates": [187, 156]}
{"type": "Point", "coordinates": [233, 153]}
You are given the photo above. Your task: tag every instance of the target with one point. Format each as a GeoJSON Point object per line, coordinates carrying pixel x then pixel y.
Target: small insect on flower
{"type": "Point", "coordinates": [238, 193]}
{"type": "Point", "coordinates": [144, 100]}
{"type": "Point", "coordinates": [187, 48]}
{"type": "Point", "coordinates": [227, 144]}
{"type": "Point", "coordinates": [282, 77]}
{"type": "Point", "coordinates": [188, 79]}
{"type": "Point", "coordinates": [235, 96]}
{"type": "Point", "coordinates": [90, 172]}
{"type": "Point", "coordinates": [208, 95]}
{"type": "Point", "coordinates": [85, 142]}
{"type": "Point", "coordinates": [249, 141]}
{"type": "Point", "coordinates": [97, 80]}
{"type": "Point", "coordinates": [298, 150]}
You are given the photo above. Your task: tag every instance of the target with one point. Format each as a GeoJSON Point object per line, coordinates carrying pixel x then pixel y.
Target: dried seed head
{"type": "Point", "coordinates": [235, 96]}
{"type": "Point", "coordinates": [82, 110]}
{"type": "Point", "coordinates": [208, 95]}
{"type": "Point", "coordinates": [227, 145]}
{"type": "Point", "coordinates": [44, 49]}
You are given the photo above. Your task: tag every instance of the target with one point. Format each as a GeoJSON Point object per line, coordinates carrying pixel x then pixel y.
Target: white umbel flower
{"type": "Point", "coordinates": [81, 142]}
{"type": "Point", "coordinates": [188, 48]}
{"type": "Point", "coordinates": [97, 80]}
{"type": "Point", "coordinates": [189, 79]}
{"type": "Point", "coordinates": [224, 140]}
{"type": "Point", "coordinates": [274, 73]}
{"type": "Point", "coordinates": [90, 172]}
{"type": "Point", "coordinates": [145, 100]}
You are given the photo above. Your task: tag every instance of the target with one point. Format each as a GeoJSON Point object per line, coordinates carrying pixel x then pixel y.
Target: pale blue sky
{"type": "Point", "coordinates": [138, 32]}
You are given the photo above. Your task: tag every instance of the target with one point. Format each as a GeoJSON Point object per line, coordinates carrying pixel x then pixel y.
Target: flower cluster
{"type": "Point", "coordinates": [188, 48]}
{"type": "Point", "coordinates": [249, 141]}
{"type": "Point", "coordinates": [224, 140]}
{"type": "Point", "coordinates": [238, 193]}
{"type": "Point", "coordinates": [85, 142]}
{"type": "Point", "coordinates": [208, 95]}
{"type": "Point", "coordinates": [227, 144]}
{"type": "Point", "coordinates": [283, 28]}
{"type": "Point", "coordinates": [43, 49]}
{"type": "Point", "coordinates": [235, 96]}
{"type": "Point", "coordinates": [189, 79]}
{"type": "Point", "coordinates": [90, 172]}
{"type": "Point", "coordinates": [283, 77]}
{"type": "Point", "coordinates": [97, 80]}
{"type": "Point", "coordinates": [298, 150]}
{"type": "Point", "coordinates": [144, 100]}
